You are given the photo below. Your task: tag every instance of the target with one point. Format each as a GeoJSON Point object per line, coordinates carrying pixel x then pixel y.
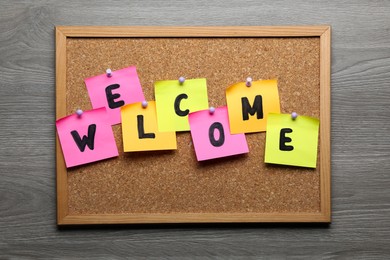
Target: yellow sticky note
{"type": "Point", "coordinates": [174, 101]}
{"type": "Point", "coordinates": [140, 131]}
{"type": "Point", "coordinates": [248, 107]}
{"type": "Point", "coordinates": [291, 142]}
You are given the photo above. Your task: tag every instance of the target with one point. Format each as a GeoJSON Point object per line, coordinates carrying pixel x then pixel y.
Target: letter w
{"type": "Point", "coordinates": [87, 140]}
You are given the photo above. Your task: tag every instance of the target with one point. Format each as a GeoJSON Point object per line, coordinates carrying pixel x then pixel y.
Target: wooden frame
{"type": "Point", "coordinates": [64, 32]}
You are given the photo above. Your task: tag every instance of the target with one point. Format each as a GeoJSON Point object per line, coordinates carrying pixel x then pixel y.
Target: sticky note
{"type": "Point", "coordinates": [123, 87]}
{"type": "Point", "coordinates": [174, 101]}
{"type": "Point", "coordinates": [249, 106]}
{"type": "Point", "coordinates": [140, 131]}
{"type": "Point", "coordinates": [211, 135]}
{"type": "Point", "coordinates": [291, 142]}
{"type": "Point", "coordinates": [86, 138]}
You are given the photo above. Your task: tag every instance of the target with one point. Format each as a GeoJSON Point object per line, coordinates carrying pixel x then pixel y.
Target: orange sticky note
{"type": "Point", "coordinates": [140, 131]}
{"type": "Point", "coordinates": [248, 107]}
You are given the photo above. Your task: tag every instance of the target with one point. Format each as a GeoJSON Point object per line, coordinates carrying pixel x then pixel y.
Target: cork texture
{"type": "Point", "coordinates": [173, 181]}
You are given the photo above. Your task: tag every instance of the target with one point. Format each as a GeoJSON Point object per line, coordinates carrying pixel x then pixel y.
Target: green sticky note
{"type": "Point", "coordinates": [174, 101]}
{"type": "Point", "coordinates": [291, 141]}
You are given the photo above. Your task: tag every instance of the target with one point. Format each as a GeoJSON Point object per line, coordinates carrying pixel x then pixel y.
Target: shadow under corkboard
{"type": "Point", "coordinates": [173, 181]}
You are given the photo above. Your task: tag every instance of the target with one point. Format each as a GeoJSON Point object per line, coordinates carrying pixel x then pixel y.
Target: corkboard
{"type": "Point", "coordinates": [172, 186]}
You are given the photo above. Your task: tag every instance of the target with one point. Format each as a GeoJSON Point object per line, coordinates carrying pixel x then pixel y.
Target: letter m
{"type": "Point", "coordinates": [256, 108]}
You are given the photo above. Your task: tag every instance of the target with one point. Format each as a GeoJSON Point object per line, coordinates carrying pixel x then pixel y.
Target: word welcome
{"type": "Point", "coordinates": [182, 105]}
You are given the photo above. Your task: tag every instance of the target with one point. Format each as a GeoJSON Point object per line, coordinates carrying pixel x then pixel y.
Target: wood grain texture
{"type": "Point", "coordinates": [360, 135]}
{"type": "Point", "coordinates": [325, 107]}
{"type": "Point", "coordinates": [191, 31]}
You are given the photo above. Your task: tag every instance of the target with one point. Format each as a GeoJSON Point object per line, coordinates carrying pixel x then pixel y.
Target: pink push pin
{"type": "Point", "coordinates": [79, 112]}
{"type": "Point", "coordinates": [181, 80]}
{"type": "Point", "coordinates": [294, 115]}
{"type": "Point", "coordinates": [109, 73]}
{"type": "Point", "coordinates": [144, 104]}
{"type": "Point", "coordinates": [211, 110]}
{"type": "Point", "coordinates": [248, 81]}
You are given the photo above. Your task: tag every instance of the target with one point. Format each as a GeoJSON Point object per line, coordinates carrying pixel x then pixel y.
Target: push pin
{"type": "Point", "coordinates": [144, 104]}
{"type": "Point", "coordinates": [248, 81]}
{"type": "Point", "coordinates": [181, 80]}
{"type": "Point", "coordinates": [79, 112]}
{"type": "Point", "coordinates": [211, 110]}
{"type": "Point", "coordinates": [294, 115]}
{"type": "Point", "coordinates": [109, 73]}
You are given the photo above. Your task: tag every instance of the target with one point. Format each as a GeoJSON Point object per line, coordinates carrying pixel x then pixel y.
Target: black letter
{"type": "Point", "coordinates": [256, 108]}
{"type": "Point", "coordinates": [111, 97]}
{"type": "Point", "coordinates": [141, 131]}
{"type": "Point", "coordinates": [177, 105]}
{"type": "Point", "coordinates": [87, 140]}
{"type": "Point", "coordinates": [221, 139]}
{"type": "Point", "coordinates": [283, 140]}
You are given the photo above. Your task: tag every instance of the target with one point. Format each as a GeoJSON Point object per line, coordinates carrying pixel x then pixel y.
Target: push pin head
{"type": "Point", "coordinates": [211, 110]}
{"type": "Point", "coordinates": [294, 115]}
{"type": "Point", "coordinates": [79, 112]}
{"type": "Point", "coordinates": [248, 81]}
{"type": "Point", "coordinates": [109, 73]}
{"type": "Point", "coordinates": [144, 104]}
{"type": "Point", "coordinates": [181, 80]}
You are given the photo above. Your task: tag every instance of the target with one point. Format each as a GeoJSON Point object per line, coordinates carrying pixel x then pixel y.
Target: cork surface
{"type": "Point", "coordinates": [173, 181]}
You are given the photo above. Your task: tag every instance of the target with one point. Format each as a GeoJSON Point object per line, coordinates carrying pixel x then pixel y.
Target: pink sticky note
{"type": "Point", "coordinates": [86, 138]}
{"type": "Point", "coordinates": [122, 88]}
{"type": "Point", "coordinates": [211, 135]}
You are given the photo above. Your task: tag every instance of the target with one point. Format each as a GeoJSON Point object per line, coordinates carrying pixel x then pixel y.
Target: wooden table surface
{"type": "Point", "coordinates": [360, 135]}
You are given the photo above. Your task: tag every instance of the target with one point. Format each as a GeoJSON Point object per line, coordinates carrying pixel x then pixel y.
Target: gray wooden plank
{"type": "Point", "coordinates": [360, 135]}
